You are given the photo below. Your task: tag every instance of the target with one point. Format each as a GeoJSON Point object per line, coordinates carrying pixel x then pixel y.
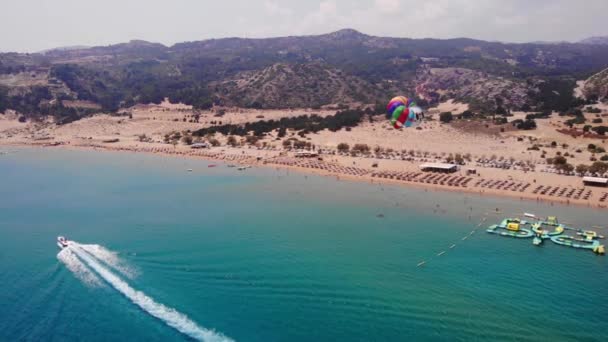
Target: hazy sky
{"type": "Point", "coordinates": [33, 25]}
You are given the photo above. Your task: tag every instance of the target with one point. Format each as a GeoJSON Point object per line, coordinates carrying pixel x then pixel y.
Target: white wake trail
{"type": "Point", "coordinates": [110, 258]}
{"type": "Point", "coordinates": [80, 270]}
{"type": "Point", "coordinates": [168, 315]}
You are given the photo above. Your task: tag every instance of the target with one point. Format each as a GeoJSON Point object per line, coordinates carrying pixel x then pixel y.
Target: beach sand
{"type": "Point", "coordinates": [432, 142]}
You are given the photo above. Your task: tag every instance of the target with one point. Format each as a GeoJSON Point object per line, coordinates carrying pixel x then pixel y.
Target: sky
{"type": "Point", "coordinates": [35, 25]}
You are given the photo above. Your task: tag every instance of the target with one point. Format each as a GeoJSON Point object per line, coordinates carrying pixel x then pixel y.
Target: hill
{"type": "Point", "coordinates": [473, 87]}
{"type": "Point", "coordinates": [296, 85]}
{"type": "Point", "coordinates": [596, 86]}
{"type": "Point", "coordinates": [345, 68]}
{"type": "Point", "coordinates": [599, 40]}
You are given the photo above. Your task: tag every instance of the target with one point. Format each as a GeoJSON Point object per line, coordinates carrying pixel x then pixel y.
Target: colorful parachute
{"type": "Point", "coordinates": [403, 111]}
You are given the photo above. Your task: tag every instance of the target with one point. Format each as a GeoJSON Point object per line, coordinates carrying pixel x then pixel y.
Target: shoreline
{"type": "Point", "coordinates": [368, 177]}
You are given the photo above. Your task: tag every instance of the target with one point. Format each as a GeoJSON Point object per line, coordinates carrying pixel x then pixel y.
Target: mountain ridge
{"type": "Point", "coordinates": [365, 70]}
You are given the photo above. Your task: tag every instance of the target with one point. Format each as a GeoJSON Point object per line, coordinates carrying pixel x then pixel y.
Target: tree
{"type": "Point", "coordinates": [501, 121]}
{"type": "Point", "coordinates": [458, 159]}
{"type": "Point", "coordinates": [232, 141]}
{"type": "Point", "coordinates": [499, 102]}
{"type": "Point", "coordinates": [251, 139]}
{"type": "Point", "coordinates": [187, 139]}
{"type": "Point", "coordinates": [214, 142]}
{"type": "Point", "coordinates": [299, 144]}
{"type": "Point", "coordinates": [282, 132]}
{"type": "Point", "coordinates": [582, 168]}
{"type": "Point", "coordinates": [361, 148]}
{"type": "Point", "coordinates": [598, 167]}
{"type": "Point", "coordinates": [343, 147]}
{"type": "Point", "coordinates": [601, 130]}
{"type": "Point", "coordinates": [559, 160]}
{"type": "Point", "coordinates": [467, 114]}
{"type": "Point", "coordinates": [446, 117]}
{"type": "Point", "coordinates": [524, 124]}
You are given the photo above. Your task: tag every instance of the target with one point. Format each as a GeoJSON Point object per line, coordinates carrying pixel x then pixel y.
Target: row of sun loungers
{"type": "Point", "coordinates": [566, 192]}
{"type": "Point", "coordinates": [319, 165]}
{"type": "Point", "coordinates": [419, 177]}
{"type": "Point", "coordinates": [502, 185]}
{"type": "Point", "coordinates": [443, 179]}
{"type": "Point", "coordinates": [397, 175]}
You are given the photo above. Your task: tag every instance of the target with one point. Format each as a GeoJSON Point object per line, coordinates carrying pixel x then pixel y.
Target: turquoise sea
{"type": "Point", "coordinates": [163, 254]}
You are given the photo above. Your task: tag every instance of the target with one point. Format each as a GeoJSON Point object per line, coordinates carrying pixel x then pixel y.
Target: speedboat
{"type": "Point", "coordinates": [62, 242]}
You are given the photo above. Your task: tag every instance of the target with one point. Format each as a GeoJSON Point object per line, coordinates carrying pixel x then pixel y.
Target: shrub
{"type": "Point", "coordinates": [501, 121]}
{"type": "Point", "coordinates": [524, 125]}
{"type": "Point", "coordinates": [565, 167]}
{"type": "Point", "coordinates": [543, 115]}
{"type": "Point", "coordinates": [578, 120]}
{"type": "Point", "coordinates": [361, 148]}
{"type": "Point", "coordinates": [251, 139]}
{"type": "Point", "coordinates": [582, 168]}
{"type": "Point", "coordinates": [446, 117]}
{"type": "Point", "coordinates": [601, 130]}
{"type": "Point", "coordinates": [598, 167]}
{"type": "Point", "coordinates": [187, 140]}
{"type": "Point", "coordinates": [343, 147]}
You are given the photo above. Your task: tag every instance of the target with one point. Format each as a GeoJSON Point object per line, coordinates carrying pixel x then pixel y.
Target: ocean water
{"type": "Point", "coordinates": [217, 254]}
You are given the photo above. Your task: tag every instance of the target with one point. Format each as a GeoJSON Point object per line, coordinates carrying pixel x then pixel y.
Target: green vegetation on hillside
{"type": "Point", "coordinates": [303, 123]}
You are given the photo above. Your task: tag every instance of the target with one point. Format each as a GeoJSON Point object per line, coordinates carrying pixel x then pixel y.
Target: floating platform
{"type": "Point", "coordinates": [521, 233]}
{"type": "Point", "coordinates": [574, 242]}
{"type": "Point", "coordinates": [511, 227]}
{"type": "Point", "coordinates": [548, 229]}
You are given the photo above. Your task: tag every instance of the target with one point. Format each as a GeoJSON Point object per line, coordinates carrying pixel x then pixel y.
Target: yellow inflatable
{"type": "Point", "coordinates": [513, 226]}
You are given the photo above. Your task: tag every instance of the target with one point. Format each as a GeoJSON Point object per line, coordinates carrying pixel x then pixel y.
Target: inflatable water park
{"type": "Point", "coordinates": [548, 229]}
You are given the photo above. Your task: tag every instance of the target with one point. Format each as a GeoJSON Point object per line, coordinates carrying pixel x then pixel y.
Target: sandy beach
{"type": "Point", "coordinates": [400, 152]}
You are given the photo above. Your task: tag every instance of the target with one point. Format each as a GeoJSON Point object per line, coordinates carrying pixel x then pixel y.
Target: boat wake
{"type": "Point", "coordinates": [110, 258]}
{"type": "Point", "coordinates": [80, 270]}
{"type": "Point", "coordinates": [88, 262]}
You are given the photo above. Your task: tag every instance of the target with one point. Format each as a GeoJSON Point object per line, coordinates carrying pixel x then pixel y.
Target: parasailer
{"type": "Point", "coordinates": [403, 111]}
